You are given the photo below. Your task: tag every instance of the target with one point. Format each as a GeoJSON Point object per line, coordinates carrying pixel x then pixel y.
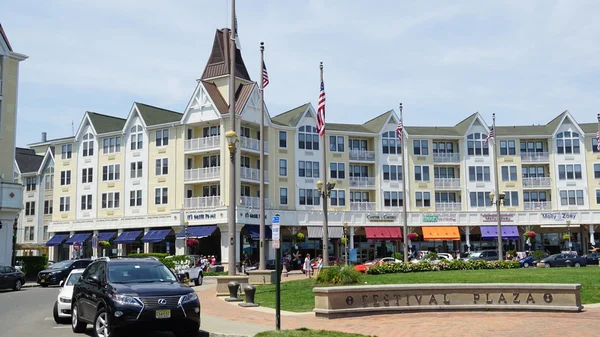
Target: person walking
{"type": "Point", "coordinates": [307, 268]}
{"type": "Point", "coordinates": [319, 265]}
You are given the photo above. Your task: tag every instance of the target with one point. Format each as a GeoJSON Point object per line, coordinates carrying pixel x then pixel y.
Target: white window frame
{"type": "Point", "coordinates": [485, 176]}
{"type": "Point", "coordinates": [389, 141]}
{"type": "Point", "coordinates": [338, 195]}
{"type": "Point", "coordinates": [510, 197]}
{"type": "Point", "coordinates": [162, 137]}
{"type": "Point", "coordinates": [88, 145]}
{"type": "Point", "coordinates": [334, 144]}
{"type": "Point", "coordinates": [116, 172]}
{"type": "Point", "coordinates": [395, 176]}
{"type": "Point", "coordinates": [86, 202]}
{"type": "Point", "coordinates": [66, 151]}
{"type": "Point", "coordinates": [283, 167]}
{"type": "Point", "coordinates": [398, 200]}
{"type": "Point", "coordinates": [565, 174]}
{"type": "Point", "coordinates": [87, 175]}
{"type": "Point", "coordinates": [314, 168]}
{"type": "Point", "coordinates": [424, 172]}
{"type": "Point", "coordinates": [510, 176]}
{"type": "Point", "coordinates": [283, 195]}
{"type": "Point", "coordinates": [111, 197]}
{"type": "Point", "coordinates": [136, 169]}
{"type": "Point", "coordinates": [161, 193]}
{"type": "Point", "coordinates": [284, 140]}
{"type": "Point", "coordinates": [476, 141]}
{"type": "Point", "coordinates": [578, 197]}
{"type": "Point", "coordinates": [66, 179]}
{"type": "Point", "coordinates": [135, 198]}
{"type": "Point", "coordinates": [422, 199]}
{"type": "Point", "coordinates": [485, 199]}
{"type": "Point", "coordinates": [340, 170]}
{"type": "Point", "coordinates": [65, 204]}
{"type": "Point", "coordinates": [111, 145]}
{"type": "Point", "coordinates": [137, 138]}
{"type": "Point", "coordinates": [304, 132]}
{"type": "Point", "coordinates": [421, 146]}
{"type": "Point", "coordinates": [572, 138]}
{"type": "Point", "coordinates": [161, 167]}
{"type": "Point", "coordinates": [30, 208]}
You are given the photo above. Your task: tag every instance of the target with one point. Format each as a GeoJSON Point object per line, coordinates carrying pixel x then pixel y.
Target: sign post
{"type": "Point", "coordinates": [277, 245]}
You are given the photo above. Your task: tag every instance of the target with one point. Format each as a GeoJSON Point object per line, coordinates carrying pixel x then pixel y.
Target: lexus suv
{"type": "Point", "coordinates": [125, 294]}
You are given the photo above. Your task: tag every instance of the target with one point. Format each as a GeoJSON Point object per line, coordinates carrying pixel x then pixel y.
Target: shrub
{"type": "Point", "coordinates": [170, 263]}
{"type": "Point", "coordinates": [425, 265]}
{"type": "Point", "coordinates": [215, 273]}
{"type": "Point", "coordinates": [538, 255]}
{"type": "Point", "coordinates": [398, 256]}
{"type": "Point", "coordinates": [32, 265]}
{"type": "Point", "coordinates": [338, 275]}
{"type": "Point", "coordinates": [432, 256]}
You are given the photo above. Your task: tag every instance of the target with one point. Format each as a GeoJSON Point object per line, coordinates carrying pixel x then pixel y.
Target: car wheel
{"type": "Point", "coordinates": [101, 326]}
{"type": "Point", "coordinates": [187, 330]}
{"type": "Point", "coordinates": [577, 265]}
{"type": "Point", "coordinates": [547, 265]}
{"type": "Point", "coordinates": [526, 265]}
{"type": "Point", "coordinates": [58, 319]}
{"type": "Point", "coordinates": [77, 325]}
{"type": "Point", "coordinates": [17, 285]}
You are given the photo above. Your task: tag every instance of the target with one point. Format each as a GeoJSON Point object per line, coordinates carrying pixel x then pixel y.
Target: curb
{"type": "Point", "coordinates": [218, 334]}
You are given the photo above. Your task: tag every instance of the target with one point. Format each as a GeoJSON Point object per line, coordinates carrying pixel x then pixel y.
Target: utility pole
{"type": "Point", "coordinates": [499, 196]}
{"type": "Point", "coordinates": [399, 130]}
{"type": "Point", "coordinates": [325, 190]}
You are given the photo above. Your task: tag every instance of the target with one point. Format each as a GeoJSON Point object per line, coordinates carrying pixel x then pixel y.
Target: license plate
{"type": "Point", "coordinates": [161, 314]}
{"type": "Point", "coordinates": [42, 281]}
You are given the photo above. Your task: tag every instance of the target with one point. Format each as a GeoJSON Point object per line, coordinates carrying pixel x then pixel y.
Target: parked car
{"type": "Point", "coordinates": [133, 294]}
{"type": "Point", "coordinates": [59, 271]}
{"type": "Point", "coordinates": [363, 268]}
{"type": "Point", "coordinates": [270, 265]}
{"type": "Point", "coordinates": [591, 258]}
{"type": "Point", "coordinates": [487, 255]}
{"type": "Point", "coordinates": [11, 278]}
{"type": "Point", "coordinates": [564, 260]}
{"type": "Point", "coordinates": [527, 261]}
{"type": "Point", "coordinates": [62, 306]}
{"type": "Point", "coordinates": [192, 271]}
{"type": "Point", "coordinates": [445, 256]}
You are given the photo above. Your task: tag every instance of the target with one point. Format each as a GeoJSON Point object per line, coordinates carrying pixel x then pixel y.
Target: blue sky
{"type": "Point", "coordinates": [525, 61]}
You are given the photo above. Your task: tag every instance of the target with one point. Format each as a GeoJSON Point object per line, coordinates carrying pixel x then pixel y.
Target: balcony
{"type": "Point", "coordinates": [253, 202]}
{"type": "Point", "coordinates": [252, 174]}
{"type": "Point", "coordinates": [448, 207]}
{"type": "Point", "coordinates": [252, 144]}
{"type": "Point", "coordinates": [11, 197]}
{"type": "Point", "coordinates": [446, 158]}
{"type": "Point", "coordinates": [362, 182]}
{"type": "Point", "coordinates": [202, 144]}
{"type": "Point", "coordinates": [535, 157]}
{"type": "Point", "coordinates": [202, 173]}
{"type": "Point", "coordinates": [448, 183]}
{"type": "Point", "coordinates": [363, 206]}
{"type": "Point", "coordinates": [360, 155]}
{"type": "Point", "coordinates": [202, 202]}
{"type": "Point", "coordinates": [537, 182]}
{"type": "Point", "coordinates": [537, 205]}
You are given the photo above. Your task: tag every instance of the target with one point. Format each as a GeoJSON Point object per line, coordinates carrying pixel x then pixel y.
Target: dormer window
{"type": "Point", "coordinates": [137, 137]}
{"type": "Point", "coordinates": [567, 142]}
{"type": "Point", "coordinates": [88, 145]}
{"type": "Point", "coordinates": [308, 138]}
{"type": "Point", "coordinates": [476, 145]}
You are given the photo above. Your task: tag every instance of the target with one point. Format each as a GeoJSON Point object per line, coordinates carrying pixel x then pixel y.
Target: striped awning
{"type": "Point", "coordinates": [316, 232]}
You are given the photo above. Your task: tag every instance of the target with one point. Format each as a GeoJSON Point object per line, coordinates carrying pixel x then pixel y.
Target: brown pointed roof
{"type": "Point", "coordinates": [242, 95]}
{"type": "Point", "coordinates": [218, 62]}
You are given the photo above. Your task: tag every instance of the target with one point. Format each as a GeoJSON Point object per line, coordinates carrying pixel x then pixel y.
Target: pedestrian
{"type": "Point", "coordinates": [319, 264]}
{"type": "Point", "coordinates": [307, 267]}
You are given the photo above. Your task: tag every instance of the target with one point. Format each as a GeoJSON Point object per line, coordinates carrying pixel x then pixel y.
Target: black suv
{"type": "Point", "coordinates": [122, 294]}
{"type": "Point", "coordinates": [59, 271]}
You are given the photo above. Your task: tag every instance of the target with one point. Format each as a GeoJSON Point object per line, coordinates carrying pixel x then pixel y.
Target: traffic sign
{"type": "Point", "coordinates": [76, 246]}
{"type": "Point", "coordinates": [275, 229]}
{"type": "Point", "coordinates": [276, 244]}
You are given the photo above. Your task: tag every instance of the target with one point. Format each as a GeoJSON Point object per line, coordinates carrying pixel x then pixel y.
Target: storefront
{"type": "Point", "coordinates": [441, 239]}
{"type": "Point", "coordinates": [251, 242]}
{"type": "Point", "coordinates": [60, 249]}
{"type": "Point", "coordinates": [106, 245]}
{"type": "Point", "coordinates": [160, 241]}
{"type": "Point", "coordinates": [202, 240]}
{"type": "Point", "coordinates": [82, 245]}
{"type": "Point", "coordinates": [130, 242]}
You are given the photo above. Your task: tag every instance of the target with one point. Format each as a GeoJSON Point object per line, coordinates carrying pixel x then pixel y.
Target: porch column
{"type": "Point", "coordinates": [224, 228]}
{"type": "Point", "coordinates": [147, 246]}
{"type": "Point", "coordinates": [468, 238]}
{"type": "Point", "coordinates": [71, 250]}
{"type": "Point", "coordinates": [180, 244]}
{"type": "Point", "coordinates": [592, 231]}
{"type": "Point", "coordinates": [351, 237]}
{"type": "Point", "coordinates": [120, 251]}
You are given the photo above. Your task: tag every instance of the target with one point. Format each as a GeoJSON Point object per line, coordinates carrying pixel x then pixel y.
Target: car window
{"type": "Point", "coordinates": [140, 273]}
{"type": "Point", "coordinates": [101, 271]}
{"type": "Point", "coordinates": [62, 264]}
{"type": "Point", "coordinates": [569, 256]}
{"type": "Point", "coordinates": [90, 271]}
{"type": "Point", "coordinates": [73, 278]}
{"type": "Point", "coordinates": [3, 270]}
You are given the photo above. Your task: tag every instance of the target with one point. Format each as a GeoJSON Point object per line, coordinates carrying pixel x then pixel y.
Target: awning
{"type": "Point", "coordinates": [491, 232]}
{"type": "Point", "coordinates": [197, 232]}
{"type": "Point", "coordinates": [254, 232]}
{"type": "Point", "coordinates": [128, 237]}
{"type": "Point", "coordinates": [383, 233]}
{"type": "Point", "coordinates": [156, 235]}
{"type": "Point", "coordinates": [316, 232]}
{"type": "Point", "coordinates": [79, 237]}
{"type": "Point", "coordinates": [440, 233]}
{"type": "Point", "coordinates": [56, 240]}
{"type": "Point", "coordinates": [105, 236]}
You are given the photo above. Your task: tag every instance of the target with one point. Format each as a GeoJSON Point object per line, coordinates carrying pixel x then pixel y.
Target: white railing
{"type": "Point", "coordinates": [202, 202]}
{"type": "Point", "coordinates": [362, 206]}
{"type": "Point", "coordinates": [253, 202]}
{"type": "Point", "coordinates": [446, 157]}
{"type": "Point", "coordinates": [448, 207]}
{"type": "Point", "coordinates": [447, 183]}
{"type": "Point", "coordinates": [537, 205]}
{"type": "Point", "coordinates": [361, 155]}
{"type": "Point", "coordinates": [534, 157]}
{"type": "Point", "coordinates": [537, 182]}
{"type": "Point", "coordinates": [252, 174]}
{"type": "Point", "coordinates": [204, 143]}
{"type": "Point", "coordinates": [252, 144]}
{"type": "Point", "coordinates": [357, 182]}
{"type": "Point", "coordinates": [202, 173]}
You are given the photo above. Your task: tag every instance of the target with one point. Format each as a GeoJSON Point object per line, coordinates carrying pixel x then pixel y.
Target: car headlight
{"type": "Point", "coordinates": [64, 300]}
{"type": "Point", "coordinates": [188, 298]}
{"type": "Point", "coordinates": [126, 300]}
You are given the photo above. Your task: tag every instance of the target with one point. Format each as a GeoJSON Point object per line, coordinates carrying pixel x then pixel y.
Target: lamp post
{"type": "Point", "coordinates": [569, 233]}
{"type": "Point", "coordinates": [232, 141]}
{"type": "Point", "coordinates": [499, 200]}
{"type": "Point", "coordinates": [185, 228]}
{"type": "Point", "coordinates": [324, 190]}
{"type": "Point", "coordinates": [346, 242]}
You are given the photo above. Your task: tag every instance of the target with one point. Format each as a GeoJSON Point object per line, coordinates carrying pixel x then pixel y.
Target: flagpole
{"type": "Point", "coordinates": [598, 134]}
{"type": "Point", "coordinates": [325, 193]}
{"type": "Point", "coordinates": [231, 212]}
{"type": "Point", "coordinates": [262, 260]}
{"type": "Point", "coordinates": [497, 187]}
{"type": "Point", "coordinates": [404, 198]}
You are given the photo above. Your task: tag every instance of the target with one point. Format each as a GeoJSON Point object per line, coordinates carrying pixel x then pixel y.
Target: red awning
{"type": "Point", "coordinates": [383, 233]}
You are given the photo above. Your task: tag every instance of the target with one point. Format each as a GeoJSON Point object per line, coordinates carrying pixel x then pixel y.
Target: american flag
{"type": "Point", "coordinates": [489, 136]}
{"type": "Point", "coordinates": [321, 111]}
{"type": "Point", "coordinates": [265, 76]}
{"type": "Point", "coordinates": [400, 126]}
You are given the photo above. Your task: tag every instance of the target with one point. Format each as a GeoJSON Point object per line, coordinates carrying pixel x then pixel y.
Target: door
{"type": "Point", "coordinates": [86, 289]}
{"type": "Point", "coordinates": [559, 260]}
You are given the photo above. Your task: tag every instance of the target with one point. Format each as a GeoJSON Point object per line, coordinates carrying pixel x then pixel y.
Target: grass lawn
{"type": "Point", "coordinates": [298, 296]}
{"type": "Point", "coordinates": [303, 332]}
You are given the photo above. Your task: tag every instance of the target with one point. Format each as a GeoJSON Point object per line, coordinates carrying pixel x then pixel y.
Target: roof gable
{"type": "Point", "coordinates": [463, 126]}
{"type": "Point", "coordinates": [5, 39]}
{"type": "Point", "coordinates": [376, 124]}
{"type": "Point", "coordinates": [215, 96]}
{"type": "Point", "coordinates": [219, 61]}
{"type": "Point", "coordinates": [152, 115]}
{"type": "Point", "coordinates": [27, 161]}
{"type": "Point", "coordinates": [291, 117]}
{"type": "Point", "coordinates": [475, 121]}
{"type": "Point", "coordinates": [105, 123]}
{"type": "Point", "coordinates": [249, 106]}
{"type": "Point", "coordinates": [48, 158]}
{"type": "Point", "coordinates": [555, 124]}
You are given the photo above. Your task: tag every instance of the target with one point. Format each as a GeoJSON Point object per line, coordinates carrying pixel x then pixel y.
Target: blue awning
{"type": "Point", "coordinates": [197, 232]}
{"type": "Point", "coordinates": [156, 235]}
{"type": "Point", "coordinates": [56, 240]}
{"type": "Point", "coordinates": [79, 237]}
{"type": "Point", "coordinates": [105, 236]}
{"type": "Point", "coordinates": [254, 232]}
{"type": "Point", "coordinates": [127, 238]}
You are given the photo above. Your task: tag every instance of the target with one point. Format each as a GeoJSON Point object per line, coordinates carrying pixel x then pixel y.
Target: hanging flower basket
{"type": "Point", "coordinates": [530, 234]}
{"type": "Point", "coordinates": [104, 244]}
{"type": "Point", "coordinates": [344, 240]}
{"type": "Point", "coordinates": [299, 237]}
{"type": "Point", "coordinates": [192, 242]}
{"type": "Point", "coordinates": [413, 236]}
{"type": "Point", "coordinates": [568, 237]}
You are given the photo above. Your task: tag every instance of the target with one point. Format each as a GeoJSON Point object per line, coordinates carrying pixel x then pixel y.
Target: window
{"type": "Point", "coordinates": [66, 151]}
{"type": "Point", "coordinates": [65, 178]}
{"type": "Point", "coordinates": [357, 145]}
{"type": "Point", "coordinates": [422, 173]}
{"type": "Point", "coordinates": [283, 139]}
{"type": "Point", "coordinates": [421, 147]}
{"type": "Point", "coordinates": [511, 198]}
{"type": "Point", "coordinates": [110, 200]}
{"type": "Point", "coordinates": [213, 191]}
{"type": "Point", "coordinates": [28, 233]}
{"type": "Point", "coordinates": [111, 172]}
{"type": "Point", "coordinates": [597, 196]}
{"type": "Point", "coordinates": [31, 184]}
{"type": "Point", "coordinates": [87, 175]}
{"type": "Point", "coordinates": [308, 197]}
{"type": "Point", "coordinates": [508, 147]}
{"type": "Point", "coordinates": [215, 161]}
{"type": "Point", "coordinates": [509, 173]}
{"type": "Point", "coordinates": [45, 233]}
{"type": "Point", "coordinates": [161, 196]}
{"type": "Point", "coordinates": [88, 145]}
{"type": "Point", "coordinates": [569, 172]}
{"type": "Point", "coordinates": [210, 131]}
{"type": "Point", "coordinates": [86, 202]}
{"type": "Point", "coordinates": [534, 196]}
{"type": "Point", "coordinates": [30, 208]}
{"type": "Point", "coordinates": [283, 167]}
{"type": "Point", "coordinates": [480, 199]}
{"type": "Point", "coordinates": [595, 145]}
{"type": "Point", "coordinates": [137, 137]}
{"type": "Point", "coordinates": [392, 199]}
{"type": "Point", "coordinates": [162, 137]}
{"type": "Point", "coordinates": [136, 170]}
{"type": "Point", "coordinates": [308, 169]}
{"type": "Point", "coordinates": [445, 197]}
{"type": "Point", "coordinates": [135, 198]}
{"type": "Point", "coordinates": [338, 198]}
{"type": "Point", "coordinates": [392, 172]}
{"type": "Point", "coordinates": [532, 147]}
{"type": "Point", "coordinates": [476, 145]}
{"type": "Point", "coordinates": [111, 145]}
{"type": "Point", "coordinates": [283, 196]}
{"type": "Point", "coordinates": [390, 143]}
{"type": "Point", "coordinates": [162, 167]}
{"type": "Point", "coordinates": [479, 173]}
{"type": "Point", "coordinates": [443, 172]}
{"type": "Point", "coordinates": [423, 199]}
{"type": "Point", "coordinates": [358, 171]}
{"type": "Point", "coordinates": [533, 171]}
{"type": "Point", "coordinates": [443, 147]}
{"type": "Point", "coordinates": [571, 197]}
{"type": "Point", "coordinates": [567, 142]}
{"type": "Point", "coordinates": [65, 204]}
{"type": "Point", "coordinates": [308, 138]}
{"type": "Point", "coordinates": [245, 161]}
{"type": "Point", "coordinates": [337, 170]}
{"type": "Point", "coordinates": [48, 206]}
{"type": "Point", "coordinates": [49, 178]}
{"type": "Point", "coordinates": [245, 192]}
{"type": "Point", "coordinates": [597, 171]}
{"type": "Point", "coordinates": [245, 132]}
{"type": "Point", "coordinates": [336, 143]}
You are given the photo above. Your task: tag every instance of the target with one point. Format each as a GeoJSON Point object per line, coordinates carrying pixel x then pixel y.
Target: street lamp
{"type": "Point", "coordinates": [498, 201]}
{"type": "Point", "coordinates": [232, 140]}
{"type": "Point", "coordinates": [185, 227]}
{"type": "Point", "coordinates": [346, 241]}
{"type": "Point", "coordinates": [569, 231]}
{"type": "Point", "coordinates": [324, 190]}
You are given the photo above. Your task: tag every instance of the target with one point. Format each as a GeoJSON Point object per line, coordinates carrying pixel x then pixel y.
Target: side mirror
{"type": "Point", "coordinates": [95, 280]}
{"type": "Point", "coordinates": [61, 283]}
{"type": "Point", "coordinates": [182, 278]}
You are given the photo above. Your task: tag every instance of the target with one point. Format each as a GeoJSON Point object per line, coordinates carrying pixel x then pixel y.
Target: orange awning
{"type": "Point", "coordinates": [440, 233]}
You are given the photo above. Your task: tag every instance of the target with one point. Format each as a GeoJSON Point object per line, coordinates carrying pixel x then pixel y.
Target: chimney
{"type": "Point", "coordinates": [44, 137]}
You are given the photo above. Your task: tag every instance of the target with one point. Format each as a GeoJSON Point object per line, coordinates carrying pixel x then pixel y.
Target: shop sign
{"type": "Point", "coordinates": [202, 216]}
{"type": "Point", "coordinates": [248, 215]}
{"type": "Point", "coordinates": [439, 218]}
{"type": "Point", "coordinates": [492, 217]}
{"type": "Point", "coordinates": [559, 216]}
{"type": "Point", "coordinates": [381, 217]}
